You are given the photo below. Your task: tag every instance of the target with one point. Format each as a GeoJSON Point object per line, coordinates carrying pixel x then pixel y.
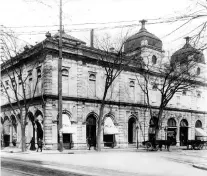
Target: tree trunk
{"type": "Point", "coordinates": [98, 137]}
{"type": "Point", "coordinates": [159, 124]}
{"type": "Point", "coordinates": [23, 147]}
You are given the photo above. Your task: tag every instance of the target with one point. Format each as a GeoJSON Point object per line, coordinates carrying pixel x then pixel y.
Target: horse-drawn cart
{"type": "Point", "coordinates": [196, 144]}
{"type": "Point", "coordinates": [200, 141]}
{"type": "Point", "coordinates": [157, 144]}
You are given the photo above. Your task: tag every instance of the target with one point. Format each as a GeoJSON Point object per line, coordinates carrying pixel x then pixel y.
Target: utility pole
{"type": "Point", "coordinates": [60, 81]}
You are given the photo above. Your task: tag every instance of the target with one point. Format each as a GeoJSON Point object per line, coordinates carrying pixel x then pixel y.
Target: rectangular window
{"type": "Point", "coordinates": [178, 100]}
{"type": "Point", "coordinates": [7, 84]}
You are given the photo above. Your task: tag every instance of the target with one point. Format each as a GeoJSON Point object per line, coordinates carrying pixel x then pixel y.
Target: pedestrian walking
{"type": "Point", "coordinates": [40, 144]}
{"type": "Point", "coordinates": [89, 143]}
{"type": "Point", "coordinates": [32, 144]}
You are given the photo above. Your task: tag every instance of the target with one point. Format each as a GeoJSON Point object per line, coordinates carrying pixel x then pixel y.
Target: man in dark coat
{"type": "Point", "coordinates": [40, 144]}
{"type": "Point", "coordinates": [32, 144]}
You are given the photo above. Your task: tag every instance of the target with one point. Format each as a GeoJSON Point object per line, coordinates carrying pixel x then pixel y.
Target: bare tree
{"type": "Point", "coordinates": [113, 60]}
{"type": "Point", "coordinates": [18, 88]}
{"type": "Point", "coordinates": [167, 77]}
{"type": "Point", "coordinates": [195, 18]}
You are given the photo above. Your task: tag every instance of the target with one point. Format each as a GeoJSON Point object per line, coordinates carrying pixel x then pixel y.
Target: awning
{"type": "Point", "coordinates": [199, 132]}
{"type": "Point", "coordinates": [109, 127]}
{"type": "Point", "coordinates": [68, 129]}
{"type": "Point", "coordinates": [111, 130]}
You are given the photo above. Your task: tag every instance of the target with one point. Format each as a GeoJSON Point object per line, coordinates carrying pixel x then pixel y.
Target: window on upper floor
{"type": "Point", "coordinates": [65, 72]}
{"type": "Point", "coordinates": [19, 80]}
{"type": "Point", "coordinates": [184, 92]}
{"type": "Point", "coordinates": [178, 100]}
{"type": "Point", "coordinates": [39, 74]}
{"type": "Point", "coordinates": [198, 93]}
{"type": "Point", "coordinates": [198, 71]}
{"type": "Point", "coordinates": [154, 86]}
{"type": "Point", "coordinates": [13, 83]}
{"type": "Point", "coordinates": [131, 83]}
{"type": "Point", "coordinates": [92, 84]}
{"type": "Point", "coordinates": [7, 84]}
{"type": "Point", "coordinates": [30, 75]}
{"type": "Point", "coordinates": [132, 90]}
{"type": "Point", "coordinates": [65, 81]}
{"type": "Point", "coordinates": [154, 59]}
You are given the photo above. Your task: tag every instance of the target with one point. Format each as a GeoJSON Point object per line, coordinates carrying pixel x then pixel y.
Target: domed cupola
{"type": "Point", "coordinates": [187, 50]}
{"type": "Point", "coordinates": [142, 38]}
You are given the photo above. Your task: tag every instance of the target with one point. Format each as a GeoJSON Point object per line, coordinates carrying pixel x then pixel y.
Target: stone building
{"type": "Point", "coordinates": [126, 118]}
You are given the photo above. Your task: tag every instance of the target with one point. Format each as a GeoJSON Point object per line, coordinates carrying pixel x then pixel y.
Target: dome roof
{"type": "Point", "coordinates": [187, 50]}
{"type": "Point", "coordinates": [142, 38]}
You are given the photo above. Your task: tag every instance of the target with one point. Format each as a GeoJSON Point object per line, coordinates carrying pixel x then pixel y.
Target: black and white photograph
{"type": "Point", "coordinates": [103, 87]}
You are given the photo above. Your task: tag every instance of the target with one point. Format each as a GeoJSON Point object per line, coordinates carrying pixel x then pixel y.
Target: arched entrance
{"type": "Point", "coordinates": [171, 130]}
{"type": "Point", "coordinates": [39, 124]}
{"type": "Point", "coordinates": [91, 129]}
{"type": "Point", "coordinates": [67, 131]}
{"type": "Point", "coordinates": [183, 132]}
{"type": "Point", "coordinates": [132, 130]}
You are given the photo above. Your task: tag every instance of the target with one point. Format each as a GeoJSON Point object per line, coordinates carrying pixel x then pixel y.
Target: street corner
{"type": "Point", "coordinates": [202, 166]}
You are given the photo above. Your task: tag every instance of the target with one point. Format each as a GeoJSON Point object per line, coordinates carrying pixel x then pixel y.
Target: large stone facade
{"type": "Point", "coordinates": [125, 111]}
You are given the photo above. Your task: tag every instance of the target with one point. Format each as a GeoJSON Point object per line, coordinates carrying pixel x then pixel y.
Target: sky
{"type": "Point", "coordinates": [31, 19]}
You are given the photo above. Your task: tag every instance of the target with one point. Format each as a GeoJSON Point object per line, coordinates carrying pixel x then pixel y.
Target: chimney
{"type": "Point", "coordinates": [92, 36]}
{"type": "Point", "coordinates": [143, 24]}
{"type": "Point", "coordinates": [187, 39]}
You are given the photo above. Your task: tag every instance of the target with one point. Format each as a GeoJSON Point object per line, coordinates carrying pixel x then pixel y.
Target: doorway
{"type": "Point", "coordinates": [67, 140]}
{"type": "Point", "coordinates": [91, 129]}
{"type": "Point", "coordinates": [132, 131]}
{"type": "Point", "coordinates": [183, 132]}
{"type": "Point", "coordinates": [171, 131]}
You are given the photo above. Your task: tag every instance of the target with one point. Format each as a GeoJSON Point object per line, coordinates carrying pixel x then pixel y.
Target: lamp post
{"type": "Point", "coordinates": [137, 128]}
{"type": "Point", "coordinates": [165, 129]}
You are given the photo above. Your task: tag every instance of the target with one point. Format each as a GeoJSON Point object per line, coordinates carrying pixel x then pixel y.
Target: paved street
{"type": "Point", "coordinates": [118, 163]}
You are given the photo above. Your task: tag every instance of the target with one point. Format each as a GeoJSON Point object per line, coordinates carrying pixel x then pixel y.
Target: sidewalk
{"type": "Point", "coordinates": [116, 163]}
{"type": "Point", "coordinates": [73, 151]}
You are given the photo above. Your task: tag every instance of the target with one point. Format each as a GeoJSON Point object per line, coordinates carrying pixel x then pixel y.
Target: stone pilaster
{"type": "Point", "coordinates": [47, 75]}
{"type": "Point", "coordinates": [48, 124]}
{"type": "Point", "coordinates": [79, 79]}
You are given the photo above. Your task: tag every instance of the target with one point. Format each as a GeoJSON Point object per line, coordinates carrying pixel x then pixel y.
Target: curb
{"type": "Point", "coordinates": [200, 166]}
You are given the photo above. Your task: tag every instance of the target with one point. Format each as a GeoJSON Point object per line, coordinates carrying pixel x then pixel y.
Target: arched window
{"type": "Point", "coordinates": [154, 87]}
{"type": "Point", "coordinates": [92, 85]}
{"type": "Point", "coordinates": [131, 84]}
{"type": "Point", "coordinates": [198, 124]}
{"type": "Point", "coordinates": [171, 122]}
{"type": "Point", "coordinates": [154, 59]}
{"type": "Point", "coordinates": [66, 120]}
{"type": "Point", "coordinates": [92, 77]}
{"type": "Point", "coordinates": [65, 72]}
{"type": "Point", "coordinates": [38, 73]}
{"type": "Point", "coordinates": [184, 92]}
{"type": "Point", "coordinates": [65, 81]}
{"type": "Point", "coordinates": [198, 71]}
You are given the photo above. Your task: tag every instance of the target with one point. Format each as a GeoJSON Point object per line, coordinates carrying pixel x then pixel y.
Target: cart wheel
{"type": "Point", "coordinates": [148, 145]}
{"type": "Point", "coordinates": [201, 146]}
